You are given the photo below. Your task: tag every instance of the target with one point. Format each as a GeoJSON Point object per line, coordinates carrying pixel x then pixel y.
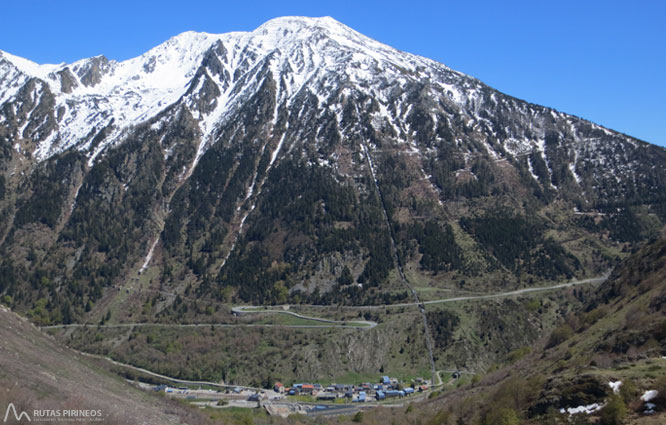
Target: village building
{"type": "Point", "coordinates": [326, 396]}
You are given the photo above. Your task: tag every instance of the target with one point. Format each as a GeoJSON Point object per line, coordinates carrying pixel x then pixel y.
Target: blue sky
{"type": "Point", "coordinates": [602, 60]}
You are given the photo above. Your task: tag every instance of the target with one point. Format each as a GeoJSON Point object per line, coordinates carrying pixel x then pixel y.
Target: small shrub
{"type": "Point", "coordinates": [533, 305]}
{"type": "Point", "coordinates": [594, 316]}
{"type": "Point", "coordinates": [501, 416]}
{"type": "Point", "coordinates": [518, 354]}
{"type": "Point", "coordinates": [629, 391]}
{"type": "Point", "coordinates": [559, 335]}
{"type": "Point", "coordinates": [358, 417]}
{"type": "Point", "coordinates": [614, 412]}
{"type": "Point", "coordinates": [441, 418]}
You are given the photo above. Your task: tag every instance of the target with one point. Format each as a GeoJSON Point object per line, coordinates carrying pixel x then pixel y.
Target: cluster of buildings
{"type": "Point", "coordinates": [386, 388]}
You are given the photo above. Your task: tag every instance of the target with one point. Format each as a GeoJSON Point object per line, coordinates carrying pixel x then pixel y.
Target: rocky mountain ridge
{"type": "Point", "coordinates": [97, 92]}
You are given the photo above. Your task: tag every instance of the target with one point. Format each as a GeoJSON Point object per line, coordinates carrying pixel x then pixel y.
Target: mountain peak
{"type": "Point", "coordinates": [27, 66]}
{"type": "Point", "coordinates": [187, 40]}
{"type": "Point", "coordinates": [285, 22]}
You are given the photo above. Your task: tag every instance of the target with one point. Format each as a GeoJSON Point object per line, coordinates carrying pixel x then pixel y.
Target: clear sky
{"type": "Point", "coordinates": [601, 60]}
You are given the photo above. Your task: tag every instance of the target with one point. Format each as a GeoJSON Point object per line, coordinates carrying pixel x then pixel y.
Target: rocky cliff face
{"type": "Point", "coordinates": [262, 166]}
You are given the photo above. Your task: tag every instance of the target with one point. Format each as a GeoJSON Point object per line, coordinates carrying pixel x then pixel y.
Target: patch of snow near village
{"type": "Point", "coordinates": [615, 386]}
{"type": "Point", "coordinates": [590, 408]}
{"type": "Point", "coordinates": [649, 395]}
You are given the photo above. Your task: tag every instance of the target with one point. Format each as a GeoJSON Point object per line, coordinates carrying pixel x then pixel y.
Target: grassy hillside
{"type": "Point", "coordinates": [618, 335]}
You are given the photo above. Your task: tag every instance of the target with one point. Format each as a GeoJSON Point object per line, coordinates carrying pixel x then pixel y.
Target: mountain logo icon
{"type": "Point", "coordinates": [17, 416]}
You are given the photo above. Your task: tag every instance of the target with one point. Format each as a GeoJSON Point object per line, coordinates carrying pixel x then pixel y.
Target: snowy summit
{"type": "Point", "coordinates": [93, 93]}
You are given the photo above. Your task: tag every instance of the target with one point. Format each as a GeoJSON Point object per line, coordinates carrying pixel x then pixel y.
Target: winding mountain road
{"type": "Point", "coordinates": [248, 309]}
{"type": "Point", "coordinates": [522, 291]}
{"type": "Point", "coordinates": [329, 323]}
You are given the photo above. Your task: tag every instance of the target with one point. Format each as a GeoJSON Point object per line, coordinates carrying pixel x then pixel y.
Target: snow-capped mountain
{"type": "Point", "coordinates": [96, 92]}
{"type": "Point", "coordinates": [267, 162]}
{"type": "Point", "coordinates": [303, 55]}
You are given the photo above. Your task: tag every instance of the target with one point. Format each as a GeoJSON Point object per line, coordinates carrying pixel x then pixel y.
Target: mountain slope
{"type": "Point", "coordinates": [619, 336]}
{"type": "Point", "coordinates": [260, 167]}
{"type": "Point", "coordinates": [39, 374]}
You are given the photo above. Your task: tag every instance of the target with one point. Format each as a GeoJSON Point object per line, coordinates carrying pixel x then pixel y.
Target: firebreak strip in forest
{"type": "Point", "coordinates": [396, 258]}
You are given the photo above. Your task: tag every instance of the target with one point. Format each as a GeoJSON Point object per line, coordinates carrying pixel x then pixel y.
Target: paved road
{"type": "Point", "coordinates": [334, 410]}
{"type": "Point", "coordinates": [168, 378]}
{"type": "Point", "coordinates": [520, 291]}
{"type": "Point", "coordinates": [249, 309]}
